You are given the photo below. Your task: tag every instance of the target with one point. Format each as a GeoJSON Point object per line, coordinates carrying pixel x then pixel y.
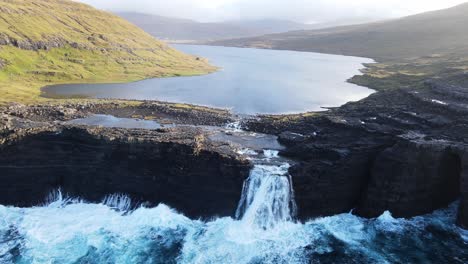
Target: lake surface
{"type": "Point", "coordinates": [249, 81]}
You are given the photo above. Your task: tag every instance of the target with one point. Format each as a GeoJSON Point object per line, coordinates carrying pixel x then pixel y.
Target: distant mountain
{"type": "Point", "coordinates": [189, 30]}
{"type": "Point", "coordinates": [442, 31]}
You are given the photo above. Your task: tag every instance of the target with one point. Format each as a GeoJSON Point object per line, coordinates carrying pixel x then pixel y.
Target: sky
{"type": "Point", "coordinates": [307, 11]}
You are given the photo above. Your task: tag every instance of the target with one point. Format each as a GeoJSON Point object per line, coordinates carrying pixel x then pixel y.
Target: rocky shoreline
{"type": "Point", "coordinates": [38, 156]}
{"type": "Point", "coordinates": [402, 150]}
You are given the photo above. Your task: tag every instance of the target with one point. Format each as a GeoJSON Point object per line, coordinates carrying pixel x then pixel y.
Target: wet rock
{"type": "Point", "coordinates": [413, 178]}
{"type": "Point", "coordinates": [397, 150]}
{"type": "Point", "coordinates": [149, 110]}
{"type": "Point", "coordinates": [178, 166]}
{"type": "Point", "coordinates": [291, 138]}
{"type": "Point", "coordinates": [462, 219]}
{"type": "Point", "coordinates": [331, 176]}
{"type": "Point", "coordinates": [170, 167]}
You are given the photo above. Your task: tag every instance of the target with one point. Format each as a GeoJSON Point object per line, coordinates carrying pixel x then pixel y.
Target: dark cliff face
{"type": "Point", "coordinates": [463, 210]}
{"type": "Point", "coordinates": [195, 180]}
{"type": "Point", "coordinates": [334, 168]}
{"type": "Point", "coordinates": [374, 173]}
{"type": "Point", "coordinates": [412, 178]}
{"type": "Point", "coordinates": [401, 151]}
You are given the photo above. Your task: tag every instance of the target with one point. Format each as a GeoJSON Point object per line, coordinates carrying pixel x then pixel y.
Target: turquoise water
{"type": "Point", "coordinates": [73, 231]}
{"type": "Point", "coordinates": [250, 81]}
{"type": "Point", "coordinates": [69, 230]}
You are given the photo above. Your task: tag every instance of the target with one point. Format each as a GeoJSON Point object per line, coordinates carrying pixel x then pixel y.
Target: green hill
{"type": "Point", "coordinates": [60, 41]}
{"type": "Point", "coordinates": [437, 32]}
{"type": "Point", "coordinates": [409, 50]}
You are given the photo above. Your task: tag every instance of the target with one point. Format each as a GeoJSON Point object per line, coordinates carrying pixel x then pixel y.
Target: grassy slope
{"type": "Point", "coordinates": [428, 33]}
{"type": "Point", "coordinates": [93, 46]}
{"type": "Point", "coordinates": [410, 50]}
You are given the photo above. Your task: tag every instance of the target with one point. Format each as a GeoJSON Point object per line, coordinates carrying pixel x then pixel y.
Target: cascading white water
{"type": "Point", "coordinates": [236, 126]}
{"type": "Point", "coordinates": [267, 196]}
{"type": "Point", "coordinates": [119, 202]}
{"type": "Point", "coordinates": [73, 231]}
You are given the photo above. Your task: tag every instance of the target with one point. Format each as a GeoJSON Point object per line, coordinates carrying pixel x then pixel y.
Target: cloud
{"type": "Point", "coordinates": [298, 10]}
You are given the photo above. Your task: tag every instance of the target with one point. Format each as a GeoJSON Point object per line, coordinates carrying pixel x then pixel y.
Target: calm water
{"type": "Point", "coordinates": [250, 81]}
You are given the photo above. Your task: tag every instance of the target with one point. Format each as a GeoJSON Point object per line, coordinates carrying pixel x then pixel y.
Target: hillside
{"type": "Point", "coordinates": [176, 29]}
{"type": "Point", "coordinates": [429, 33]}
{"type": "Point", "coordinates": [61, 41]}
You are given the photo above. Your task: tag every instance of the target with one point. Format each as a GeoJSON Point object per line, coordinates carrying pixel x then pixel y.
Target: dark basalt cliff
{"type": "Point", "coordinates": [402, 151]}
{"type": "Point", "coordinates": [413, 178]}
{"type": "Point", "coordinates": [175, 166]}
{"type": "Point", "coordinates": [405, 151]}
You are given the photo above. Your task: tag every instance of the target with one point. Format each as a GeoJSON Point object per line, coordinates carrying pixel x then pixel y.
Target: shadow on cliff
{"type": "Point", "coordinates": [199, 183]}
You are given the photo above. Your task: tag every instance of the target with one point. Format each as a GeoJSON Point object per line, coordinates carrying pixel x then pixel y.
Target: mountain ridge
{"type": "Point", "coordinates": [179, 29]}
{"type": "Point", "coordinates": [393, 39]}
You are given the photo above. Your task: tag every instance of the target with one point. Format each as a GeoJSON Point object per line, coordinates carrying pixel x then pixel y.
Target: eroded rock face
{"type": "Point", "coordinates": [165, 166]}
{"type": "Point", "coordinates": [27, 44]}
{"type": "Point", "coordinates": [334, 168]}
{"type": "Point", "coordinates": [412, 178]}
{"type": "Point", "coordinates": [463, 209]}
{"type": "Point", "coordinates": [404, 151]}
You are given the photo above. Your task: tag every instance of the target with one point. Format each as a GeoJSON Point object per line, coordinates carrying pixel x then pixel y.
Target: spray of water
{"type": "Point", "coordinates": [73, 231]}
{"type": "Point", "coordinates": [267, 197]}
{"type": "Point", "coordinates": [118, 202]}
{"type": "Point", "coordinates": [68, 230]}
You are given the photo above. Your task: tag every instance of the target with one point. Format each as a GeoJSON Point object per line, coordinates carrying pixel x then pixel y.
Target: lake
{"type": "Point", "coordinates": [250, 81]}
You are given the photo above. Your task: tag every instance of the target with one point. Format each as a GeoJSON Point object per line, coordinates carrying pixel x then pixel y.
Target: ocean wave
{"type": "Point", "coordinates": [73, 231]}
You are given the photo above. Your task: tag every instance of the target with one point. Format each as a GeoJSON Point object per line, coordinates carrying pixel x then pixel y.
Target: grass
{"type": "Point", "coordinates": [84, 45]}
{"type": "Point", "coordinates": [392, 75]}
{"type": "Point", "coordinates": [28, 71]}
{"type": "Point", "coordinates": [411, 73]}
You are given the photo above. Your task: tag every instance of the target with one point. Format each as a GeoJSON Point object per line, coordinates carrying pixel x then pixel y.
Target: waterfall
{"type": "Point", "coordinates": [267, 196]}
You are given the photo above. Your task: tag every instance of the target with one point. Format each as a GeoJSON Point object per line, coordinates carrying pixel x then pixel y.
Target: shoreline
{"type": "Point", "coordinates": [358, 144]}
{"type": "Point", "coordinates": [361, 71]}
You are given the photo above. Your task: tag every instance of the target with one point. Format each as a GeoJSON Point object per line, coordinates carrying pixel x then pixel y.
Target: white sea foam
{"type": "Point", "coordinates": [119, 202]}
{"type": "Point", "coordinates": [270, 154]}
{"type": "Point", "coordinates": [76, 231]}
{"type": "Point", "coordinates": [247, 152]}
{"type": "Point", "coordinates": [267, 198]}
{"type": "Point", "coordinates": [68, 230]}
{"type": "Point", "coordinates": [236, 126]}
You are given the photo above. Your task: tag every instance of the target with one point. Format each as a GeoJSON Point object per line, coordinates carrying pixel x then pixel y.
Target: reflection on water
{"type": "Point", "coordinates": [116, 122]}
{"type": "Point", "coordinates": [250, 81]}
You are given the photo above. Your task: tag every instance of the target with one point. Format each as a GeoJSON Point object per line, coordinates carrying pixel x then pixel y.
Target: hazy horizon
{"type": "Point", "coordinates": [303, 11]}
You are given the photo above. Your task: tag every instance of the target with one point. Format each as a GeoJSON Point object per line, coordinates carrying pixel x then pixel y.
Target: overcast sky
{"type": "Point", "coordinates": [308, 11]}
